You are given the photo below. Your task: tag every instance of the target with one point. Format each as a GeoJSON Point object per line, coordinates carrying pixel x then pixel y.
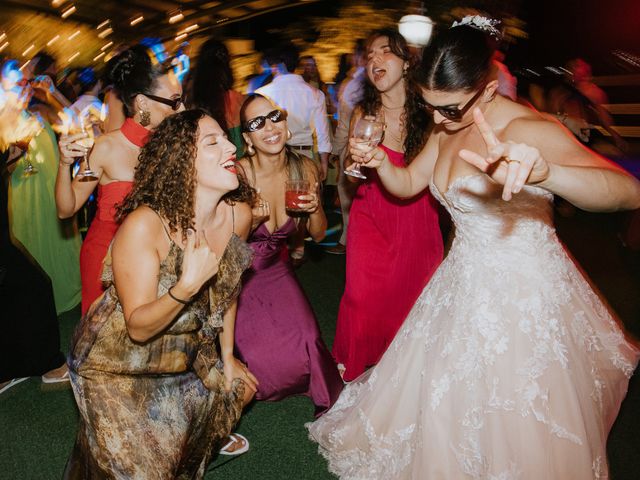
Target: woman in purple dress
{"type": "Point", "coordinates": [277, 334]}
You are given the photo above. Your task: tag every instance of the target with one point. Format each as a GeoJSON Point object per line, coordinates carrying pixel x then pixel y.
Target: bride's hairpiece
{"type": "Point", "coordinates": [479, 22]}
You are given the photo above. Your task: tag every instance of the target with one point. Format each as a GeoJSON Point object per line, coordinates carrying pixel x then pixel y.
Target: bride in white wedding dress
{"type": "Point", "coordinates": [509, 366]}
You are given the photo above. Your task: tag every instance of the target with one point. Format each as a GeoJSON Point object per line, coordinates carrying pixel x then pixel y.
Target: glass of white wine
{"type": "Point", "coordinates": [87, 175]}
{"type": "Point", "coordinates": [368, 131]}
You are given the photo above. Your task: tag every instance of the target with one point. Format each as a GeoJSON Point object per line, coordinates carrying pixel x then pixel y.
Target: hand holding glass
{"type": "Point", "coordinates": [294, 189]}
{"type": "Point", "coordinates": [367, 131]}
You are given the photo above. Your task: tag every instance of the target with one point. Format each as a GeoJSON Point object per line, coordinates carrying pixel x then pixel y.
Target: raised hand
{"type": "Point", "coordinates": [510, 164]}
{"type": "Point", "coordinates": [366, 154]}
{"type": "Point", "coordinates": [199, 263]}
{"type": "Point", "coordinates": [70, 149]}
{"type": "Point", "coordinates": [260, 212]}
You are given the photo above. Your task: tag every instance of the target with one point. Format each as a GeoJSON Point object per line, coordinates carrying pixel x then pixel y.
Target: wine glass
{"type": "Point", "coordinates": [29, 170]}
{"type": "Point", "coordinates": [87, 175]}
{"type": "Point", "coordinates": [368, 131]}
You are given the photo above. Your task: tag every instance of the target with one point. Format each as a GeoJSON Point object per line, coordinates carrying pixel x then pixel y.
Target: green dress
{"type": "Point", "coordinates": [155, 410]}
{"type": "Point", "coordinates": [53, 243]}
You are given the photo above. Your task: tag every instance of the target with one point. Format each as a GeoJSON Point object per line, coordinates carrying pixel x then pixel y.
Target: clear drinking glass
{"type": "Point", "coordinates": [368, 131]}
{"type": "Point", "coordinates": [292, 191]}
{"type": "Point", "coordinates": [87, 175]}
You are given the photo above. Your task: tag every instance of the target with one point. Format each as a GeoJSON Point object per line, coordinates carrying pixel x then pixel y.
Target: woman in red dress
{"type": "Point", "coordinates": [394, 245]}
{"type": "Point", "coordinates": [149, 94]}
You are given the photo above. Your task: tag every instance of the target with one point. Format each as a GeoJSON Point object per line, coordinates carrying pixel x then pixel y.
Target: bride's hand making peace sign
{"type": "Point", "coordinates": [510, 164]}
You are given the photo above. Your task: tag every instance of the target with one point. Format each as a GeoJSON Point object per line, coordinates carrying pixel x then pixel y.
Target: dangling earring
{"type": "Point", "coordinates": [145, 117]}
{"type": "Point", "coordinates": [289, 134]}
{"type": "Point", "coordinates": [250, 150]}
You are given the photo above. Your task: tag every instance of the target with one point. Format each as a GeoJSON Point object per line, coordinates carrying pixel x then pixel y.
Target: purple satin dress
{"type": "Point", "coordinates": [276, 332]}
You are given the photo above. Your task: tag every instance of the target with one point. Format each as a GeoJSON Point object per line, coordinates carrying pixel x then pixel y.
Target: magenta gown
{"type": "Point", "coordinates": [394, 248]}
{"type": "Point", "coordinates": [276, 332]}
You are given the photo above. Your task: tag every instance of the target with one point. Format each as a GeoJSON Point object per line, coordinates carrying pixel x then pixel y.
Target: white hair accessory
{"type": "Point", "coordinates": [480, 23]}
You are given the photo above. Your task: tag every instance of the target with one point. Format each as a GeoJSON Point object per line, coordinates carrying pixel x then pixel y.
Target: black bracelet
{"type": "Point", "coordinates": [179, 300]}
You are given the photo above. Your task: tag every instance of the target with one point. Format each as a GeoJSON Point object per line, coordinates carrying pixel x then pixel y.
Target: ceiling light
{"type": "Point", "coordinates": [99, 56]}
{"type": "Point", "coordinates": [3, 46]}
{"type": "Point", "coordinates": [53, 40]}
{"type": "Point", "coordinates": [24, 54]}
{"type": "Point", "coordinates": [73, 57]}
{"type": "Point", "coordinates": [104, 47]}
{"type": "Point", "coordinates": [77, 32]}
{"type": "Point", "coordinates": [191, 28]}
{"type": "Point", "coordinates": [136, 20]}
{"type": "Point", "coordinates": [103, 24]}
{"type": "Point", "coordinates": [68, 11]}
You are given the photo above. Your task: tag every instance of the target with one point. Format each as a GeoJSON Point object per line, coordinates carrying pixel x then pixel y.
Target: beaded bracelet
{"type": "Point", "coordinates": [179, 300]}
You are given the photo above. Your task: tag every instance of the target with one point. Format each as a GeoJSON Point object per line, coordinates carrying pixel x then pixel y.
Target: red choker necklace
{"type": "Point", "coordinates": [135, 133]}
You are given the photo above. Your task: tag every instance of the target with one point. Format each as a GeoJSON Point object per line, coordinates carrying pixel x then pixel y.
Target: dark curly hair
{"type": "Point", "coordinates": [165, 177]}
{"type": "Point", "coordinates": [416, 120]}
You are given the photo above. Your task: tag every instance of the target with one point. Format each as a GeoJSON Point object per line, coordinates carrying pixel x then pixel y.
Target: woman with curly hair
{"type": "Point", "coordinates": [155, 396]}
{"type": "Point", "coordinates": [385, 232]}
{"type": "Point", "coordinates": [277, 333]}
{"type": "Point", "coordinates": [149, 92]}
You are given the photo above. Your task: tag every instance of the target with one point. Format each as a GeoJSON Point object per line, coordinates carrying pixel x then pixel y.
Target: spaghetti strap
{"type": "Point", "coordinates": [233, 220]}
{"type": "Point", "coordinates": [163, 225]}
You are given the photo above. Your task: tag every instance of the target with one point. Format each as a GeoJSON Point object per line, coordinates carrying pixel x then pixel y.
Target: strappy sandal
{"type": "Point", "coordinates": [233, 439]}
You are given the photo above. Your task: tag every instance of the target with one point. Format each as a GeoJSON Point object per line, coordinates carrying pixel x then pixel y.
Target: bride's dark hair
{"type": "Point", "coordinates": [416, 120]}
{"type": "Point", "coordinates": [459, 58]}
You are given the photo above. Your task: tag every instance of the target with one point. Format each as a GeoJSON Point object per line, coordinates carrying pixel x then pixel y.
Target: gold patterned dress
{"type": "Point", "coordinates": [155, 410]}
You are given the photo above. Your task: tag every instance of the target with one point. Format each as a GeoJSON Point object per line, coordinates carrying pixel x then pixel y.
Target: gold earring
{"type": "Point", "coordinates": [145, 117]}
{"type": "Point", "coordinates": [289, 134]}
{"type": "Point", "coordinates": [250, 150]}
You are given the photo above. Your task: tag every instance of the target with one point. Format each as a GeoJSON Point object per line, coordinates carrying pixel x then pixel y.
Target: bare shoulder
{"type": "Point", "coordinates": [535, 128]}
{"type": "Point", "coordinates": [108, 145]}
{"type": "Point", "coordinates": [141, 228]}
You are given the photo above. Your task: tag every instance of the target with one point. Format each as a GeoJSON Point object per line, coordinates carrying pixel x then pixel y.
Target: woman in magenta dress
{"type": "Point", "coordinates": [394, 245]}
{"type": "Point", "coordinates": [148, 94]}
{"type": "Point", "coordinates": [276, 332]}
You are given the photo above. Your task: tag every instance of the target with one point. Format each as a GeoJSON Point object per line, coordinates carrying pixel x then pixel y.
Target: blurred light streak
{"type": "Point", "coordinates": [26, 52]}
{"type": "Point", "coordinates": [106, 33]}
{"type": "Point", "coordinates": [181, 37]}
{"type": "Point", "coordinates": [3, 46]}
{"type": "Point", "coordinates": [103, 24]}
{"type": "Point", "coordinates": [68, 11]}
{"type": "Point", "coordinates": [53, 40]}
{"type": "Point", "coordinates": [73, 57]}
{"type": "Point", "coordinates": [136, 20]}
{"type": "Point", "coordinates": [104, 47]}
{"type": "Point", "coordinates": [99, 56]}
{"type": "Point", "coordinates": [74, 35]}
{"type": "Point", "coordinates": [176, 17]}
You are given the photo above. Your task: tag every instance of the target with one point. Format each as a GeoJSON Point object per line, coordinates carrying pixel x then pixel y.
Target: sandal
{"type": "Point", "coordinates": [235, 438]}
{"type": "Point", "coordinates": [4, 386]}
{"type": "Point", "coordinates": [53, 376]}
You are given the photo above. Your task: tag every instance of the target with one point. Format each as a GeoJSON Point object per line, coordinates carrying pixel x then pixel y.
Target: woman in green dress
{"type": "Point", "coordinates": [53, 243]}
{"type": "Point", "coordinates": [155, 396]}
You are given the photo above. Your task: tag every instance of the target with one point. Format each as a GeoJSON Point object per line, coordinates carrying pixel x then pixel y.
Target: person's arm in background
{"type": "Point", "coordinates": [320, 123]}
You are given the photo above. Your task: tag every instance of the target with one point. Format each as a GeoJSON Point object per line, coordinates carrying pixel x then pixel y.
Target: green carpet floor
{"type": "Point", "coordinates": [38, 422]}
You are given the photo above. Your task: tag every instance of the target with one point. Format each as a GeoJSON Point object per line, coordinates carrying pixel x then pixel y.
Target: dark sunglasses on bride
{"type": "Point", "coordinates": [454, 114]}
{"type": "Point", "coordinates": [258, 123]}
